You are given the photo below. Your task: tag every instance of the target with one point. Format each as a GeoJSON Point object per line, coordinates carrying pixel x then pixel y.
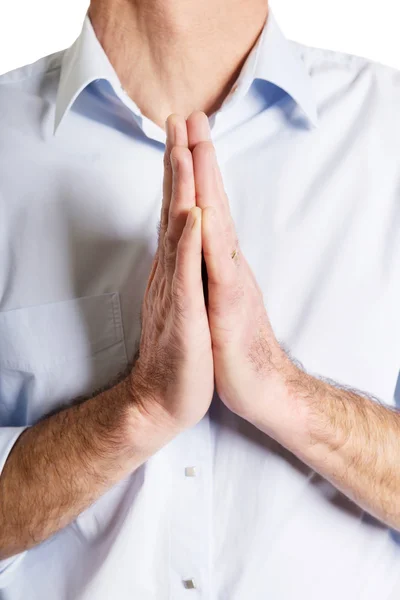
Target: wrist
{"type": "Point", "coordinates": [148, 425]}
{"type": "Point", "coordinates": [284, 409]}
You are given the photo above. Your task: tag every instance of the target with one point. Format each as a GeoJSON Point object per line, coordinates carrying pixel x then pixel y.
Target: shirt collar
{"type": "Point", "coordinates": [274, 59]}
{"type": "Point", "coordinates": [83, 62]}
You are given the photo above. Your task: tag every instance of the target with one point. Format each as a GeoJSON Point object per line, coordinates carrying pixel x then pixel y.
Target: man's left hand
{"type": "Point", "coordinates": [250, 366]}
{"type": "Point", "coordinates": [349, 438]}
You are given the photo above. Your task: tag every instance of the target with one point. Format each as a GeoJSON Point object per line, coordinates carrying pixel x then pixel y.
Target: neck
{"type": "Point", "coordinates": [176, 56]}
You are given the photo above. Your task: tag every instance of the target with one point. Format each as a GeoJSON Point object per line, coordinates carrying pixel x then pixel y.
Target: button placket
{"type": "Point", "coordinates": [190, 510]}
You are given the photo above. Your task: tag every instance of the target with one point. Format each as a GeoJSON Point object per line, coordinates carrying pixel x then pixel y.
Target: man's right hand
{"type": "Point", "coordinates": [173, 379]}
{"type": "Point", "coordinates": [94, 444]}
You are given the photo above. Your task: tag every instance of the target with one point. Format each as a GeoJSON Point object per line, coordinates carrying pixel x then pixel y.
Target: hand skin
{"type": "Point", "coordinates": [61, 465]}
{"type": "Point", "coordinates": [174, 373]}
{"type": "Point", "coordinates": [347, 437]}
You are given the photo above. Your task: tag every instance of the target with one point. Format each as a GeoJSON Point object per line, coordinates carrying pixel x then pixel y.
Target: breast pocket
{"type": "Point", "coordinates": [56, 352]}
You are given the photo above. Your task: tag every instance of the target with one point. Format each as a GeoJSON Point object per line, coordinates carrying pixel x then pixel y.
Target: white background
{"type": "Point", "coordinates": [30, 29]}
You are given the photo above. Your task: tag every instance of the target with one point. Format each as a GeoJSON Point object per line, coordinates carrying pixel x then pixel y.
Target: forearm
{"type": "Point", "coordinates": [61, 465]}
{"type": "Point", "coordinates": [351, 440]}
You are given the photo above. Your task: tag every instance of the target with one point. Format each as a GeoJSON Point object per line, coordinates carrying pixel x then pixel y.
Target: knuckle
{"type": "Point", "coordinates": [175, 152]}
{"type": "Point", "coordinates": [167, 239]}
{"type": "Point", "coordinates": [204, 147]}
{"type": "Point", "coordinates": [169, 261]}
{"type": "Point", "coordinates": [167, 158]}
{"type": "Point", "coordinates": [169, 242]}
{"type": "Point", "coordinates": [180, 152]}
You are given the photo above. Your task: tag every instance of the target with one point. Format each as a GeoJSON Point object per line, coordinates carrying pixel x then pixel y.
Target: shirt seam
{"type": "Point", "coordinates": [118, 321]}
{"type": "Point", "coordinates": [314, 56]}
{"type": "Point", "coordinates": [6, 79]}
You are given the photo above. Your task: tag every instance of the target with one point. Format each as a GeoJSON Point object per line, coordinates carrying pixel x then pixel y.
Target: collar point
{"type": "Point", "coordinates": [312, 116]}
{"type": "Point", "coordinates": [58, 117]}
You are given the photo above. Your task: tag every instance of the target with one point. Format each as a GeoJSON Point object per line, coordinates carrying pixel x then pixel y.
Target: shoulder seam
{"type": "Point", "coordinates": [338, 57]}
{"type": "Point", "coordinates": [7, 78]}
{"type": "Point", "coordinates": [335, 56]}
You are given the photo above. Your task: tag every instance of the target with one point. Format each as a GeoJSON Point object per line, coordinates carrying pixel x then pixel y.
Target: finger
{"type": "Point", "coordinates": [207, 189]}
{"type": "Point", "coordinates": [176, 136]}
{"type": "Point", "coordinates": [224, 289]}
{"type": "Point", "coordinates": [187, 284]}
{"type": "Point", "coordinates": [198, 128]}
{"type": "Point", "coordinates": [221, 268]}
{"type": "Point", "coordinates": [183, 194]}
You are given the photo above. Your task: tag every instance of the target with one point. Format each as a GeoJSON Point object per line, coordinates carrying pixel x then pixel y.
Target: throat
{"type": "Point", "coordinates": [177, 56]}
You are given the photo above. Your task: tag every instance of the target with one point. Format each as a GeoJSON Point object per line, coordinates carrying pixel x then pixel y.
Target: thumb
{"type": "Point", "coordinates": [222, 270]}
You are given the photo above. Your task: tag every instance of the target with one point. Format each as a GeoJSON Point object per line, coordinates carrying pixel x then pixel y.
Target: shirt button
{"type": "Point", "coordinates": [189, 584]}
{"type": "Point", "coordinates": [190, 471]}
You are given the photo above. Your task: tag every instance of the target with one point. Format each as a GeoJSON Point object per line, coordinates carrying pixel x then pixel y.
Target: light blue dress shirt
{"type": "Point", "coordinates": [308, 142]}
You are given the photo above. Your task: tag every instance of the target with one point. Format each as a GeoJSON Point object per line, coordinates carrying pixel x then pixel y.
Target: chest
{"type": "Point", "coordinates": [315, 223]}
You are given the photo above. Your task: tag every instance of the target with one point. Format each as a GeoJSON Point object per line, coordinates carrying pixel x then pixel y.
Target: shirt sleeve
{"type": "Point", "coordinates": [8, 437]}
